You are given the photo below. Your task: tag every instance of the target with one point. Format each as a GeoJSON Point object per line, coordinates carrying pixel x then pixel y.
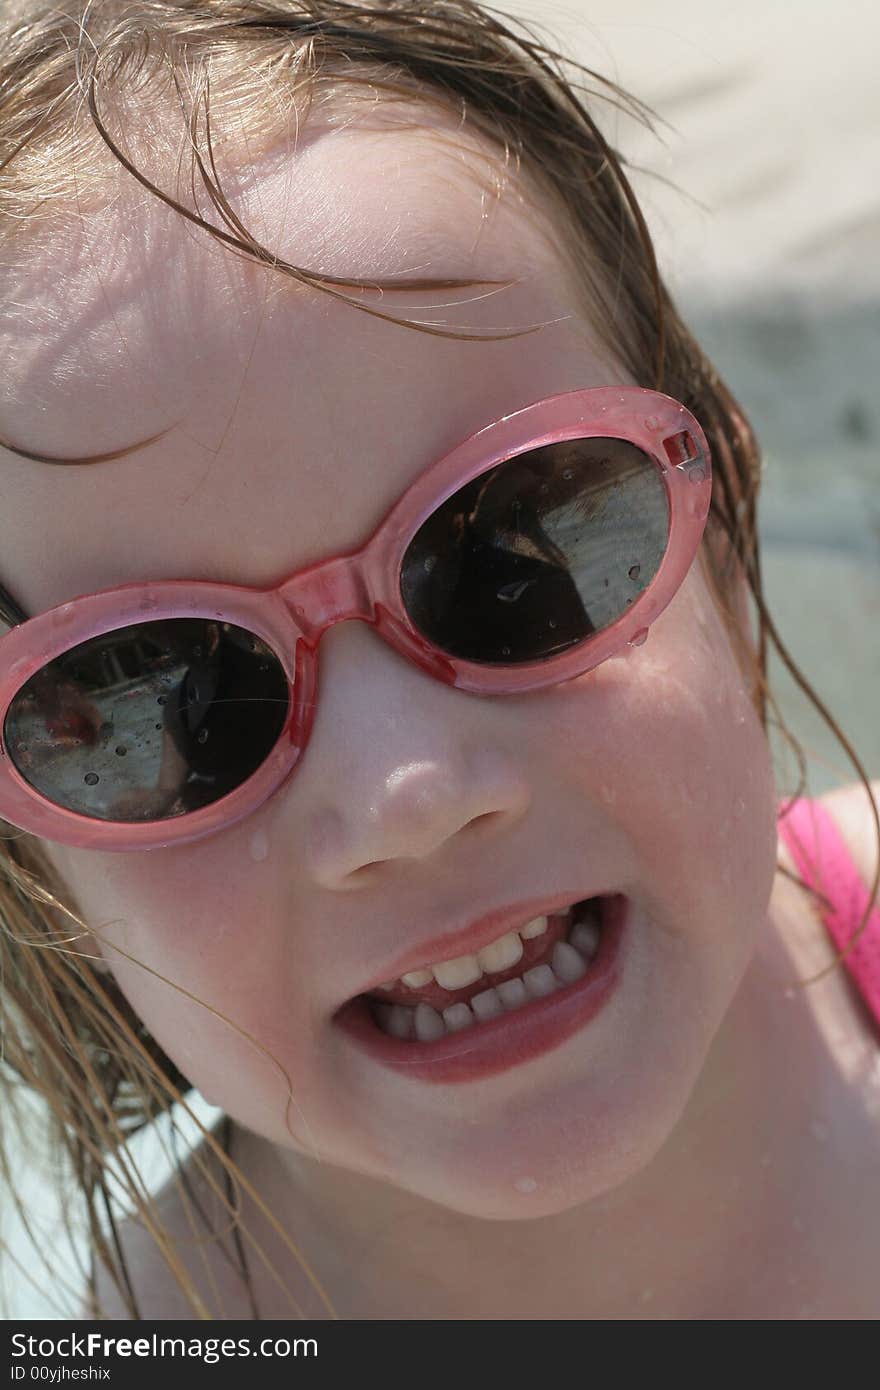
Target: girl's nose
{"type": "Point", "coordinates": [397, 764]}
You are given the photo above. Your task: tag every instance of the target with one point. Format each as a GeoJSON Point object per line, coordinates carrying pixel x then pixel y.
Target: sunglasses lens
{"type": "Point", "coordinates": [150, 721]}
{"type": "Point", "coordinates": [538, 553]}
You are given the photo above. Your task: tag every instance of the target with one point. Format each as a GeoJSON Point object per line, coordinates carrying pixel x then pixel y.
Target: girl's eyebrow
{"type": "Point", "coordinates": [87, 458]}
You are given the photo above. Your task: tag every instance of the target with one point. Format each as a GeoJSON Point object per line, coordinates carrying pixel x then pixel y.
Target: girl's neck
{"type": "Point", "coordinates": [723, 1222]}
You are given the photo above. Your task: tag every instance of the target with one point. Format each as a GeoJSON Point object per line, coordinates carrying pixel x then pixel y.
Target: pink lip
{"type": "Point", "coordinates": [488, 1048]}
{"type": "Point", "coordinates": [468, 940]}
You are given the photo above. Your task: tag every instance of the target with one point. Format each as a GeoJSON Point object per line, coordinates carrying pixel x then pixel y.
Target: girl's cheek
{"type": "Point", "coordinates": [181, 913]}
{"type": "Point", "coordinates": [666, 744]}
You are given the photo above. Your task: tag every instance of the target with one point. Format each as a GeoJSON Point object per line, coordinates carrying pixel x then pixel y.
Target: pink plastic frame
{"type": "Point", "coordinates": [293, 616]}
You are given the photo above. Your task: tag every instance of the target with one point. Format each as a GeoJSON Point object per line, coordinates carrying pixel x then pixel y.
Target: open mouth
{"type": "Point", "coordinates": [471, 1016]}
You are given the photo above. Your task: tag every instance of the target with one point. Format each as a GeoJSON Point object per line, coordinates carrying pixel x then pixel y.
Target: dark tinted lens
{"type": "Point", "coordinates": [150, 721]}
{"type": "Point", "coordinates": [538, 553]}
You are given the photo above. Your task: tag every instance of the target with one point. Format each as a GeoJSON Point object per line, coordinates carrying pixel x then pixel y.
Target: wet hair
{"type": "Point", "coordinates": [88, 94]}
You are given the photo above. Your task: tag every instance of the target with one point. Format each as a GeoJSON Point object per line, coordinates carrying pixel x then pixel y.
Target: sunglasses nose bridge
{"type": "Point", "coordinates": [333, 591]}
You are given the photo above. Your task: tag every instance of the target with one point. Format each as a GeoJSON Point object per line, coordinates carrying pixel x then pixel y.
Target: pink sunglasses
{"type": "Point", "coordinates": [150, 715]}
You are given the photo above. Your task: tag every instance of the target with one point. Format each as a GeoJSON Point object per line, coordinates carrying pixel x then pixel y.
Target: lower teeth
{"type": "Point", "coordinates": [570, 961]}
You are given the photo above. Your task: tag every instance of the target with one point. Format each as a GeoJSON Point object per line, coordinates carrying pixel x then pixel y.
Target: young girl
{"type": "Point", "coordinates": [362, 483]}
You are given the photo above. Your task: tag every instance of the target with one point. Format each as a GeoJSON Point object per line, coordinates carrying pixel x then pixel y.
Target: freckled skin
{"type": "Point", "coordinates": [301, 422]}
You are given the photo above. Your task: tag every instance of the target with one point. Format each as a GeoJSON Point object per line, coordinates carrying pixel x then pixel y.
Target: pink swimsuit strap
{"type": "Point", "coordinates": [824, 862]}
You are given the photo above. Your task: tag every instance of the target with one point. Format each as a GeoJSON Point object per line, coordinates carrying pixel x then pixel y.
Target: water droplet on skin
{"type": "Point", "coordinates": [525, 1185]}
{"type": "Point", "coordinates": [121, 751]}
{"type": "Point", "coordinates": [259, 846]}
{"type": "Point", "coordinates": [634, 571]}
{"type": "Point", "coordinates": [91, 779]}
{"type": "Point", "coordinates": [639, 638]}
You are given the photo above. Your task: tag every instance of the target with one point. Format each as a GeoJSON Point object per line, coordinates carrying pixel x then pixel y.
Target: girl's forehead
{"type": "Point", "coordinates": [297, 419]}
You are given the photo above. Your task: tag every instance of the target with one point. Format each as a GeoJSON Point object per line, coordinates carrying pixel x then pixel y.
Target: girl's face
{"type": "Point", "coordinates": [417, 809]}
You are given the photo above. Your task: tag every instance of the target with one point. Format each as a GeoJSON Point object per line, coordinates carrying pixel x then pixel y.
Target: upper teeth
{"type": "Point", "coordinates": [464, 970]}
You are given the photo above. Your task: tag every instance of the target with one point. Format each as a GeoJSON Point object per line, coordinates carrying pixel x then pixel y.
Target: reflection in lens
{"type": "Point", "coordinates": [149, 721]}
{"type": "Point", "coordinates": [539, 552]}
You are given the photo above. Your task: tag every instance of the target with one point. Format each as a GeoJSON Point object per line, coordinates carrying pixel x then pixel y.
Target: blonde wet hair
{"type": "Point", "coordinates": [94, 92]}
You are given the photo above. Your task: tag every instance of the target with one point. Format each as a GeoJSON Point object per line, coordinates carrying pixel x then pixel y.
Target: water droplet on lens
{"type": "Point", "coordinates": [162, 700]}
{"type": "Point", "coordinates": [121, 752]}
{"type": "Point", "coordinates": [197, 651]}
{"type": "Point", "coordinates": [552, 623]}
{"type": "Point", "coordinates": [525, 1185]}
{"type": "Point", "coordinates": [739, 808]}
{"type": "Point", "coordinates": [638, 639]}
{"type": "Point", "coordinates": [429, 563]}
{"type": "Point", "coordinates": [91, 779]}
{"type": "Point", "coordinates": [22, 747]}
{"type": "Point", "coordinates": [202, 736]}
{"type": "Point", "coordinates": [652, 422]}
{"type": "Point", "coordinates": [505, 651]}
{"type": "Point", "coordinates": [568, 474]}
{"type": "Point", "coordinates": [696, 473]}
{"type": "Point", "coordinates": [544, 488]}
{"type": "Point", "coordinates": [158, 726]}
{"type": "Point", "coordinates": [634, 571]}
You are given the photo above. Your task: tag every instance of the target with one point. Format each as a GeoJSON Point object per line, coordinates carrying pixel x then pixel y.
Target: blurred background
{"type": "Point", "coordinates": [761, 187]}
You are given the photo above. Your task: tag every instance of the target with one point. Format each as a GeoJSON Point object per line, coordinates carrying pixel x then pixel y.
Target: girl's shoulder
{"type": "Point", "coordinates": [844, 999]}
{"type": "Point", "coordinates": [851, 811]}
{"type": "Point", "coordinates": [210, 1270]}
